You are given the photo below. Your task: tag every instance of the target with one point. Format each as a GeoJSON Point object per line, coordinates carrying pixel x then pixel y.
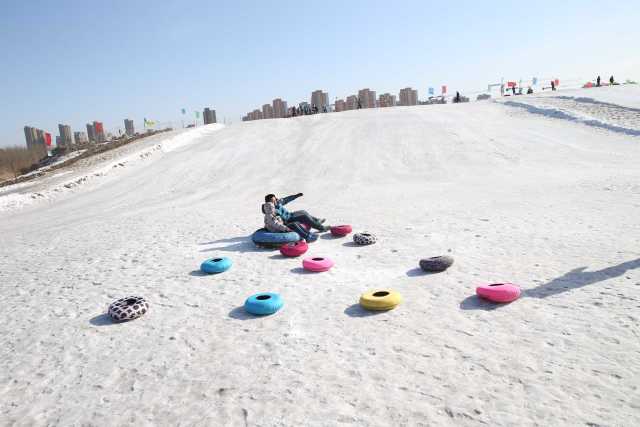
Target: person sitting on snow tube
{"type": "Point", "coordinates": [302, 217]}
{"type": "Point", "coordinates": [274, 223]}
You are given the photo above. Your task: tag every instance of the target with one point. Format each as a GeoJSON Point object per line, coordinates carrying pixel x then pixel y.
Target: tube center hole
{"type": "Point", "coordinates": [216, 260]}
{"type": "Point", "coordinates": [131, 301]}
{"type": "Point", "coordinates": [380, 294]}
{"type": "Point", "coordinates": [263, 297]}
{"type": "Point", "coordinates": [317, 259]}
{"type": "Point", "coordinates": [497, 284]}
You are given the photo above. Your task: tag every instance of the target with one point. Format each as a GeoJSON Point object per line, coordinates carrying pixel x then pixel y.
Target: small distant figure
{"type": "Point", "coordinates": [611, 81]}
{"type": "Point", "coordinates": [598, 82]}
{"type": "Point", "coordinates": [502, 89]}
{"type": "Point", "coordinates": [324, 108]}
{"type": "Point", "coordinates": [553, 85]}
{"type": "Point", "coordinates": [457, 98]}
{"type": "Point", "coordinates": [359, 104]}
{"type": "Point", "coordinates": [529, 91]}
{"type": "Point", "coordinates": [513, 89]}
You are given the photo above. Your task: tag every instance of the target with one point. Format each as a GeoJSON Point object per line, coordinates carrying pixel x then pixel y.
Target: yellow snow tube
{"type": "Point", "coordinates": [380, 299]}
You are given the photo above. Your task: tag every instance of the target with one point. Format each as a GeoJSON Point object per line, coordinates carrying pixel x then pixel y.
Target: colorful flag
{"type": "Point", "coordinates": [184, 111]}
{"type": "Point", "coordinates": [149, 123]}
{"type": "Point", "coordinates": [197, 114]}
{"type": "Point", "coordinates": [444, 89]}
{"type": "Point", "coordinates": [47, 139]}
{"type": "Point", "coordinates": [431, 91]}
{"type": "Point", "coordinates": [535, 81]}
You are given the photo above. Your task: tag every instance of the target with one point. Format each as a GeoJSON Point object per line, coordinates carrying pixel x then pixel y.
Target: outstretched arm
{"type": "Point", "coordinates": [288, 199]}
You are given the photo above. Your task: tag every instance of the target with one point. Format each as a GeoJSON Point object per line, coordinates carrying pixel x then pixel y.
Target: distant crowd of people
{"type": "Point", "coordinates": [305, 110]}
{"type": "Point", "coordinates": [611, 81]}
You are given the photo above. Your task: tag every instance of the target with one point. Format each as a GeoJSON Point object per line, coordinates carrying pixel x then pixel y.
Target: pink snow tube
{"type": "Point", "coordinates": [317, 264]}
{"type": "Point", "coordinates": [294, 249]}
{"type": "Point", "coordinates": [341, 230]}
{"type": "Point", "coordinates": [499, 292]}
{"type": "Point", "coordinates": [305, 226]}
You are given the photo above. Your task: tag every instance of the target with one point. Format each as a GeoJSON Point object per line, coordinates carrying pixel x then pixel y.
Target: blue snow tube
{"type": "Point", "coordinates": [263, 303]}
{"type": "Point", "coordinates": [262, 237]}
{"type": "Point", "coordinates": [216, 265]}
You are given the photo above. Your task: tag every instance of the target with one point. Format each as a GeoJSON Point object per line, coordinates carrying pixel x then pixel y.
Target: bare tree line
{"type": "Point", "coordinates": [15, 161]}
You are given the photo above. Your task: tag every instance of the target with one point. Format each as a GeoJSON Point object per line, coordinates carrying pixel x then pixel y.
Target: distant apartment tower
{"type": "Point", "coordinates": [279, 108]}
{"type": "Point", "coordinates": [257, 114]}
{"type": "Point", "coordinates": [128, 127]}
{"type": "Point", "coordinates": [340, 105]}
{"type": "Point", "coordinates": [80, 137]}
{"type": "Point", "coordinates": [367, 98]}
{"type": "Point", "coordinates": [209, 116]}
{"type": "Point", "coordinates": [320, 100]}
{"type": "Point", "coordinates": [386, 100]}
{"type": "Point", "coordinates": [35, 137]}
{"type": "Point", "coordinates": [91, 133]}
{"type": "Point", "coordinates": [98, 130]}
{"type": "Point", "coordinates": [408, 96]}
{"type": "Point", "coordinates": [351, 102]}
{"type": "Point", "coordinates": [66, 137]}
{"type": "Point", "coordinates": [267, 111]}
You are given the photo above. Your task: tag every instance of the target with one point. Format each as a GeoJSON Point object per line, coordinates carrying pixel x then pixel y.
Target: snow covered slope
{"type": "Point", "coordinates": [541, 200]}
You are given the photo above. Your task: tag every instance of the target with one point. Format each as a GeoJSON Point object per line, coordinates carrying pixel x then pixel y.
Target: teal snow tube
{"type": "Point", "coordinates": [265, 238]}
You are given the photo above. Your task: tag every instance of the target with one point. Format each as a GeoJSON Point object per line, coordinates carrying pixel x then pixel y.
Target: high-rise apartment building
{"type": "Point", "coordinates": [209, 116]}
{"type": "Point", "coordinates": [352, 102]}
{"type": "Point", "coordinates": [367, 98]}
{"type": "Point", "coordinates": [340, 105]}
{"type": "Point", "coordinates": [279, 108]}
{"type": "Point", "coordinates": [80, 137]}
{"type": "Point", "coordinates": [408, 96]}
{"type": "Point", "coordinates": [98, 130]}
{"type": "Point", "coordinates": [128, 127]}
{"type": "Point", "coordinates": [386, 100]}
{"type": "Point", "coordinates": [35, 137]}
{"type": "Point", "coordinates": [320, 100]}
{"type": "Point", "coordinates": [91, 133]}
{"type": "Point", "coordinates": [267, 111]}
{"type": "Point", "coordinates": [66, 137]}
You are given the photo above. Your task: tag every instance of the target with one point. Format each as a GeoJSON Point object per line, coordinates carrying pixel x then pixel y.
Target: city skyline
{"type": "Point", "coordinates": [116, 71]}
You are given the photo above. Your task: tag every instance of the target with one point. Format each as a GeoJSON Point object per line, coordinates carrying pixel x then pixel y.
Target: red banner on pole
{"type": "Point", "coordinates": [511, 84]}
{"type": "Point", "coordinates": [47, 139]}
{"type": "Point", "coordinates": [444, 89]}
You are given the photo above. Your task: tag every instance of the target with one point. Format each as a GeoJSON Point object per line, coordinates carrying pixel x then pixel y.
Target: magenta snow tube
{"type": "Point", "coordinates": [499, 292]}
{"type": "Point", "coordinates": [317, 264]}
{"type": "Point", "coordinates": [294, 249]}
{"type": "Point", "coordinates": [341, 230]}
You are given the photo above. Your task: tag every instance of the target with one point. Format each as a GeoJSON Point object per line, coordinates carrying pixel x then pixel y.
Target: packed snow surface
{"type": "Point", "coordinates": [524, 190]}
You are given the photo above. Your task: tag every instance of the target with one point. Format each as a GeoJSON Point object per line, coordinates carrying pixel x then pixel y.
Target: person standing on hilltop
{"type": "Point", "coordinates": [457, 98]}
{"type": "Point", "coordinates": [611, 81]}
{"type": "Point", "coordinates": [598, 82]}
{"type": "Point", "coordinates": [553, 85]}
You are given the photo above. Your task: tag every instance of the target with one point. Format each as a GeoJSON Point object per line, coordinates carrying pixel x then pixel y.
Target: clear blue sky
{"type": "Point", "coordinates": [78, 61]}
